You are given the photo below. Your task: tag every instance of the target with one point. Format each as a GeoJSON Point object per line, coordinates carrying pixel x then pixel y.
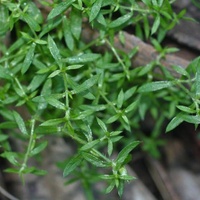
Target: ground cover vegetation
{"type": "Point", "coordinates": [52, 82]}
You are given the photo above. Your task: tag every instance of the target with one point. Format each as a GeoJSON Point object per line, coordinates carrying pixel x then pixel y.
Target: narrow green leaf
{"type": "Point", "coordinates": [20, 122]}
{"type": "Point", "coordinates": [110, 147]}
{"type": "Point", "coordinates": [132, 106]}
{"type": "Point", "coordinates": [86, 85]}
{"type": "Point", "coordinates": [4, 22]}
{"type": "Point", "coordinates": [54, 102]}
{"type": "Point", "coordinates": [72, 164]}
{"type": "Point", "coordinates": [28, 59]}
{"type": "Point", "coordinates": [102, 125]}
{"type": "Point", "coordinates": [121, 20]}
{"type": "Point", "coordinates": [180, 70]}
{"type": "Point", "coordinates": [120, 99]}
{"type": "Point", "coordinates": [156, 24]}
{"type": "Point", "coordinates": [83, 58]}
{"type": "Point", "coordinates": [174, 123]}
{"type": "Point", "coordinates": [186, 109]}
{"type": "Point", "coordinates": [36, 82]}
{"type": "Point", "coordinates": [53, 122]}
{"type": "Point", "coordinates": [72, 67]}
{"type": "Point", "coordinates": [93, 159]}
{"type": "Point", "coordinates": [53, 49]}
{"type": "Point", "coordinates": [4, 73]}
{"type": "Point", "coordinates": [154, 86]}
{"type": "Point", "coordinates": [39, 148]}
{"type": "Point", "coordinates": [59, 9]}
{"type": "Point", "coordinates": [89, 145]}
{"type": "Point", "coordinates": [96, 7]}
{"type": "Point", "coordinates": [55, 73]}
{"type": "Point", "coordinates": [3, 137]}
{"type": "Point", "coordinates": [69, 40]}
{"type": "Point", "coordinates": [33, 24]}
{"type": "Point", "coordinates": [76, 23]}
{"type": "Point", "coordinates": [125, 151]}
{"type": "Point", "coordinates": [112, 119]}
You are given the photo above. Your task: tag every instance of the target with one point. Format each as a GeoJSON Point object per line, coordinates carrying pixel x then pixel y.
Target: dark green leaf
{"type": "Point", "coordinates": [28, 59]}
{"type": "Point", "coordinates": [72, 164]}
{"type": "Point", "coordinates": [39, 148]}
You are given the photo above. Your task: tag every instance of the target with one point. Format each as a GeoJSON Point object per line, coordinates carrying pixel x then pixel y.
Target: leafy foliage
{"type": "Point", "coordinates": [52, 82]}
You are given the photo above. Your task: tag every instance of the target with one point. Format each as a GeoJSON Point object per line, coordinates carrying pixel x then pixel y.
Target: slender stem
{"type": "Point", "coordinates": [118, 58]}
{"type": "Point", "coordinates": [30, 146]}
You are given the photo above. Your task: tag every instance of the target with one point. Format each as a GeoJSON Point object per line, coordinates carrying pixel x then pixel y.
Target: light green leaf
{"type": "Point", "coordinates": [53, 122]}
{"type": "Point", "coordinates": [154, 86]}
{"type": "Point", "coordinates": [102, 125]}
{"type": "Point", "coordinates": [72, 67]}
{"type": "Point", "coordinates": [59, 9]}
{"type": "Point", "coordinates": [125, 151]}
{"type": "Point", "coordinates": [72, 164]}
{"type": "Point", "coordinates": [86, 85]}
{"type": "Point", "coordinates": [28, 59]}
{"type": "Point", "coordinates": [20, 122]}
{"type": "Point", "coordinates": [96, 7]}
{"type": "Point", "coordinates": [132, 106]}
{"type": "Point", "coordinates": [69, 40]}
{"type": "Point", "coordinates": [4, 73]}
{"type": "Point", "coordinates": [54, 102]}
{"type": "Point", "coordinates": [55, 73]}
{"type": "Point", "coordinates": [180, 70]}
{"type": "Point", "coordinates": [174, 123]}
{"type": "Point", "coordinates": [89, 145]}
{"type": "Point", "coordinates": [93, 159]}
{"type": "Point", "coordinates": [36, 82]}
{"type": "Point", "coordinates": [186, 109]}
{"type": "Point", "coordinates": [120, 99]}
{"type": "Point", "coordinates": [156, 24]}
{"type": "Point", "coordinates": [110, 147]}
{"type": "Point", "coordinates": [83, 58]}
{"type": "Point", "coordinates": [3, 137]}
{"type": "Point", "coordinates": [53, 49]}
{"type": "Point", "coordinates": [76, 23]}
{"type": "Point", "coordinates": [33, 24]}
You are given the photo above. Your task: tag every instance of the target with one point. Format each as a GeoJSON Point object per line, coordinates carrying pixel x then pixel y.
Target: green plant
{"type": "Point", "coordinates": [52, 82]}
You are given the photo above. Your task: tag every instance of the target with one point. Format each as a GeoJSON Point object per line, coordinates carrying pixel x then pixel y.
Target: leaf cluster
{"type": "Point", "coordinates": [52, 82]}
